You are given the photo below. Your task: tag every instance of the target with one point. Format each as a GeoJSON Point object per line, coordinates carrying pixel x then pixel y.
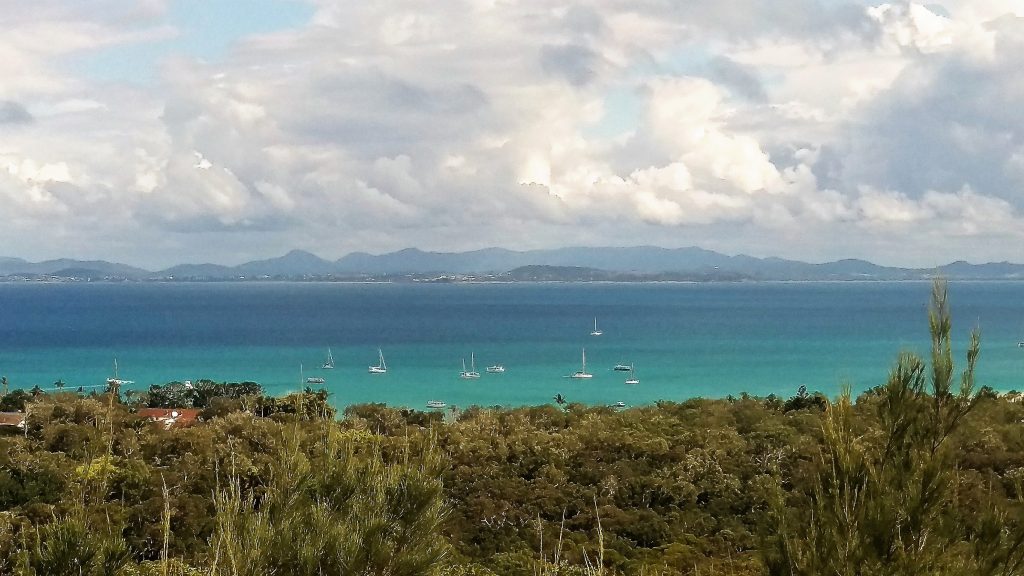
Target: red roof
{"type": "Point", "coordinates": [12, 419]}
{"type": "Point", "coordinates": [171, 417]}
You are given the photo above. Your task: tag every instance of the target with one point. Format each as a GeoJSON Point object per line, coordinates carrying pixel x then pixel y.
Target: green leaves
{"type": "Point", "coordinates": [334, 508]}
{"type": "Point", "coordinates": [885, 498]}
{"type": "Point", "coordinates": [68, 546]}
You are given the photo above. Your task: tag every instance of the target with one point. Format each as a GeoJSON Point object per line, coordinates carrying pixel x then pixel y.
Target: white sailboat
{"type": "Point", "coordinates": [329, 364]}
{"type": "Point", "coordinates": [596, 332]}
{"type": "Point", "coordinates": [381, 367]}
{"type": "Point", "coordinates": [471, 373]}
{"type": "Point", "coordinates": [115, 381]}
{"type": "Point", "coordinates": [582, 372]}
{"type": "Point", "coordinates": [311, 379]}
{"type": "Point", "coordinates": [632, 377]}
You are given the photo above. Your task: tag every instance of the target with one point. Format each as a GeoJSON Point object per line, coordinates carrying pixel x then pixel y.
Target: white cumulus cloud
{"type": "Point", "coordinates": [825, 130]}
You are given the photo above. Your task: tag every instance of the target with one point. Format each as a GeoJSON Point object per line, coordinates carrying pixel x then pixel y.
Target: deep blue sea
{"type": "Point", "coordinates": [684, 340]}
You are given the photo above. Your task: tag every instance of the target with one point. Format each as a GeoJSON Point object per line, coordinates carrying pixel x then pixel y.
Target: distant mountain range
{"type": "Point", "coordinates": [641, 263]}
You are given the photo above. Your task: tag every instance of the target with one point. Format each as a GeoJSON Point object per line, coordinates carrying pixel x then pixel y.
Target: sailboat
{"type": "Point", "coordinates": [472, 373]}
{"type": "Point", "coordinates": [582, 373]}
{"type": "Point", "coordinates": [632, 377]}
{"type": "Point", "coordinates": [115, 381]}
{"type": "Point", "coordinates": [596, 332]}
{"type": "Point", "coordinates": [381, 367]}
{"type": "Point", "coordinates": [311, 379]}
{"type": "Point", "coordinates": [329, 364]}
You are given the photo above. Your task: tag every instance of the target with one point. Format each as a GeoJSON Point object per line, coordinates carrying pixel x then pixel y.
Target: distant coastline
{"type": "Point", "coordinates": [591, 264]}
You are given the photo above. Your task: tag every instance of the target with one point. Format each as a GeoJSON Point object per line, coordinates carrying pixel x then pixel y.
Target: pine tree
{"type": "Point", "coordinates": [884, 500]}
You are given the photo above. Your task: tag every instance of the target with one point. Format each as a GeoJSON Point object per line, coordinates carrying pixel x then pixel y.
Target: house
{"type": "Point", "coordinates": [1014, 396]}
{"type": "Point", "coordinates": [12, 419]}
{"type": "Point", "coordinates": [168, 418]}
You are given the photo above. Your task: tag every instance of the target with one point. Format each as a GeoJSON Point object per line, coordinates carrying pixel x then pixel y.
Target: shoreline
{"type": "Point", "coordinates": [137, 282]}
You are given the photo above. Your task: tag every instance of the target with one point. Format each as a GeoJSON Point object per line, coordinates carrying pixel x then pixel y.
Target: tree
{"type": "Point", "coordinates": [338, 510]}
{"type": "Point", "coordinates": [70, 547]}
{"type": "Point", "coordinates": [884, 500]}
{"type": "Point", "coordinates": [14, 401]}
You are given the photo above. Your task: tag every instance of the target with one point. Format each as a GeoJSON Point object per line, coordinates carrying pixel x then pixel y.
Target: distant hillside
{"type": "Point", "coordinates": [982, 271]}
{"type": "Point", "coordinates": [638, 263]}
{"type": "Point", "coordinates": [413, 261]}
{"type": "Point", "coordinates": [198, 271]}
{"type": "Point", "coordinates": [294, 263]}
{"type": "Point", "coordinates": [61, 267]}
{"type": "Point", "coordinates": [579, 274]}
{"type": "Point", "coordinates": [639, 260]}
{"type": "Point", "coordinates": [558, 274]}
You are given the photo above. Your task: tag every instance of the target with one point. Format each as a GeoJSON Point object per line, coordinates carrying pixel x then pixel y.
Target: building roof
{"type": "Point", "coordinates": [171, 417]}
{"type": "Point", "coordinates": [12, 419]}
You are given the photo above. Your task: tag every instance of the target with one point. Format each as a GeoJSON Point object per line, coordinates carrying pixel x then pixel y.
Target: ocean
{"type": "Point", "coordinates": [684, 340]}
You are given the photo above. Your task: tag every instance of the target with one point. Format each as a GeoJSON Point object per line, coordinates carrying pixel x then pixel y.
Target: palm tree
{"type": "Point", "coordinates": [559, 399]}
{"type": "Point", "coordinates": [131, 396]}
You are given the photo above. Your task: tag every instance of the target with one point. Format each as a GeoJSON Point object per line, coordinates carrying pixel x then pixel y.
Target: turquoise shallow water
{"type": "Point", "coordinates": [684, 339]}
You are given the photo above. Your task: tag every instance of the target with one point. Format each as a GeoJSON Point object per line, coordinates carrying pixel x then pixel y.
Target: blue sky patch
{"type": "Point", "coordinates": [206, 30]}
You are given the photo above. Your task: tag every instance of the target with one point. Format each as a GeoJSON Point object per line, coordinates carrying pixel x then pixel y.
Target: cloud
{"type": "Point", "coordinates": [576, 64]}
{"type": "Point", "coordinates": [949, 120]}
{"type": "Point", "coordinates": [809, 129]}
{"type": "Point", "coordinates": [13, 113]}
{"type": "Point", "coordinates": [737, 77]}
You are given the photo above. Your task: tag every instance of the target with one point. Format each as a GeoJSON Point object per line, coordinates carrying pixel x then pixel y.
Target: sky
{"type": "Point", "coordinates": [159, 132]}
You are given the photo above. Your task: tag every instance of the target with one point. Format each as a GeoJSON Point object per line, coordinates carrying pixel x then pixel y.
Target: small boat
{"type": "Point", "coordinates": [632, 377]}
{"type": "Point", "coordinates": [619, 404]}
{"type": "Point", "coordinates": [596, 332]}
{"type": "Point", "coordinates": [623, 367]}
{"type": "Point", "coordinates": [582, 372]}
{"type": "Point", "coordinates": [471, 373]}
{"type": "Point", "coordinates": [310, 380]}
{"type": "Point", "coordinates": [329, 364]}
{"type": "Point", "coordinates": [1020, 344]}
{"type": "Point", "coordinates": [115, 381]}
{"type": "Point", "coordinates": [381, 367]}
{"type": "Point", "coordinates": [435, 404]}
{"type": "Point", "coordinates": [496, 369]}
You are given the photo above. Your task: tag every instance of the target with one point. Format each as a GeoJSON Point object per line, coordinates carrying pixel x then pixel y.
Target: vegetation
{"type": "Point", "coordinates": [920, 475]}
